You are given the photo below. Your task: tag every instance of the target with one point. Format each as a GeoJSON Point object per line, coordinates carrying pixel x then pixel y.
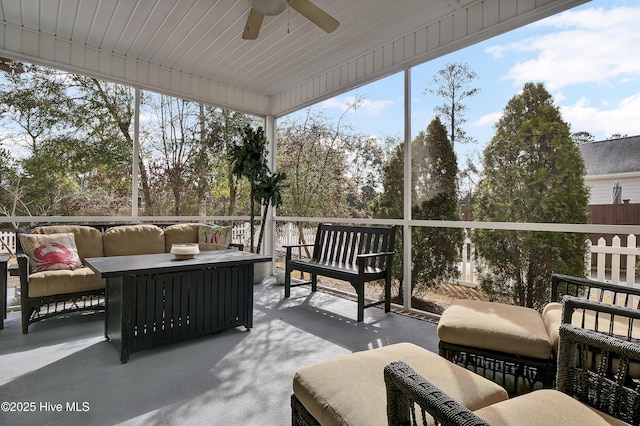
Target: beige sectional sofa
{"type": "Point", "coordinates": [58, 289]}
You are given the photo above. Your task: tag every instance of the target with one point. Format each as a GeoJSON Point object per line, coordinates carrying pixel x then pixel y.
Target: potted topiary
{"type": "Point", "coordinates": [249, 161]}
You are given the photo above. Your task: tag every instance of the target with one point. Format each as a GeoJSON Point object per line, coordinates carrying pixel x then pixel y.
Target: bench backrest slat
{"type": "Point", "coordinates": [341, 244]}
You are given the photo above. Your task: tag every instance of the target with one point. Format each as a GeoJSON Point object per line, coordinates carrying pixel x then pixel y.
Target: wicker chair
{"type": "Point", "coordinates": [512, 363]}
{"type": "Point", "coordinates": [598, 368]}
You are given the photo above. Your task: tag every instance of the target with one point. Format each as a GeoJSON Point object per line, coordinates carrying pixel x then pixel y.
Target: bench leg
{"type": "Point", "coordinates": [287, 282]}
{"type": "Point", "coordinates": [359, 287]}
{"type": "Point", "coordinates": [314, 282]}
{"type": "Point", "coordinates": [387, 294]}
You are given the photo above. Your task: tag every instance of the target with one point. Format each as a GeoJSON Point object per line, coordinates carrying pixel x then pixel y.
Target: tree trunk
{"type": "Point", "coordinates": [123, 125]}
{"type": "Point", "coordinates": [264, 220]}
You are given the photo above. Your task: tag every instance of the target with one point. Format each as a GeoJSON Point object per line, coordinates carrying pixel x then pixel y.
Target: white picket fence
{"type": "Point", "coordinates": [9, 241]}
{"type": "Point", "coordinates": [286, 234]}
{"type": "Point", "coordinates": [629, 253]}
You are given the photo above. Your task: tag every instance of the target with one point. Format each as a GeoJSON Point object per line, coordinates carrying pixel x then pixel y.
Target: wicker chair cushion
{"type": "Point", "coordinates": [495, 326]}
{"type": "Point", "coordinates": [552, 316]}
{"type": "Point", "coordinates": [180, 233]}
{"type": "Point", "coordinates": [545, 407]}
{"type": "Point", "coordinates": [88, 239]}
{"type": "Point", "coordinates": [133, 239]}
{"type": "Point", "coordinates": [351, 389]}
{"type": "Point", "coordinates": [49, 283]}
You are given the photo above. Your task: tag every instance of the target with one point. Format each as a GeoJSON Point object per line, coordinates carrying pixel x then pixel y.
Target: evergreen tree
{"type": "Point", "coordinates": [436, 250]}
{"type": "Point", "coordinates": [533, 173]}
{"type": "Point", "coordinates": [389, 204]}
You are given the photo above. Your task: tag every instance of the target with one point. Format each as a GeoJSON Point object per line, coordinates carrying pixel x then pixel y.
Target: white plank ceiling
{"type": "Point", "coordinates": [194, 49]}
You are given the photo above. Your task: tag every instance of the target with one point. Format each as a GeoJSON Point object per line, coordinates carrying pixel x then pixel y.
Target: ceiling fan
{"type": "Point", "coordinates": [262, 8]}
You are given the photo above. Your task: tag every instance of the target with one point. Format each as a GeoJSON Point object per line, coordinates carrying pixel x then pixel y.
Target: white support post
{"type": "Point", "coordinates": [270, 229]}
{"type": "Point", "coordinates": [407, 191]}
{"type": "Point", "coordinates": [135, 169]}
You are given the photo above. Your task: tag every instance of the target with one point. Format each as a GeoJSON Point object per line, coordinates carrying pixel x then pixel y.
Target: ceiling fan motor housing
{"type": "Point", "coordinates": [269, 7]}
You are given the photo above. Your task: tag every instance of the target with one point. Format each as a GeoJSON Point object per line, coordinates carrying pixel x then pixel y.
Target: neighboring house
{"type": "Point", "coordinates": [610, 161]}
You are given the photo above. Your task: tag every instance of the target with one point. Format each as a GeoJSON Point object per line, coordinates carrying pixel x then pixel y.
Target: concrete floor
{"type": "Point", "coordinates": [237, 377]}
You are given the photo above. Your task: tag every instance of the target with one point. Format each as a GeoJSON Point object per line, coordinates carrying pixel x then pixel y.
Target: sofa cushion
{"type": "Point", "coordinates": [350, 390]}
{"type": "Point", "coordinates": [129, 240]}
{"type": "Point", "coordinates": [180, 233]}
{"type": "Point", "coordinates": [214, 237]}
{"type": "Point", "coordinates": [88, 239]}
{"type": "Point", "coordinates": [49, 283]}
{"type": "Point", "coordinates": [545, 407]}
{"type": "Point", "coordinates": [50, 252]}
{"type": "Point", "coordinates": [495, 326]}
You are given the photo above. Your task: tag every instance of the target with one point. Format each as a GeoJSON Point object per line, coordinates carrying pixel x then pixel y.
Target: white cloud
{"type": "Point", "coordinates": [591, 45]}
{"type": "Point", "coordinates": [602, 123]}
{"type": "Point", "coordinates": [559, 97]}
{"type": "Point", "coordinates": [367, 107]}
{"type": "Point", "coordinates": [488, 120]}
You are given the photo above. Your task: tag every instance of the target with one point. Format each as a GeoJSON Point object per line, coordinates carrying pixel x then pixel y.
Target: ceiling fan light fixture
{"type": "Point", "coordinates": [260, 8]}
{"type": "Point", "coordinates": [269, 7]}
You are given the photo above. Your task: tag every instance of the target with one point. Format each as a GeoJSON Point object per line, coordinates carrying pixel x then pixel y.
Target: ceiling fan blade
{"type": "Point", "coordinates": [315, 14]}
{"type": "Point", "coordinates": [252, 27]}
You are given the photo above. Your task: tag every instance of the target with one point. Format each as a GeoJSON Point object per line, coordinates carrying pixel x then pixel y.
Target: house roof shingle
{"type": "Point", "coordinates": [612, 156]}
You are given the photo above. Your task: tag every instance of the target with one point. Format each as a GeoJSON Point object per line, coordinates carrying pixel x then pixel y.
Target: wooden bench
{"type": "Point", "coordinates": [356, 254]}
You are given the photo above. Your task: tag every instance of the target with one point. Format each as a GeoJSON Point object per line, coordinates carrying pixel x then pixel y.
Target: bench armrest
{"type": "Point", "coordinates": [239, 246]}
{"type": "Point", "coordinates": [368, 255]}
{"type": "Point", "coordinates": [364, 259]}
{"type": "Point", "coordinates": [290, 247]}
{"type": "Point", "coordinates": [297, 245]}
{"type": "Point", "coordinates": [406, 387]}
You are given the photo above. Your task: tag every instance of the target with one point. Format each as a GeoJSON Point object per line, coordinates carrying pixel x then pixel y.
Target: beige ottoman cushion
{"type": "Point", "coordinates": [350, 390]}
{"type": "Point", "coordinates": [495, 326]}
{"type": "Point", "coordinates": [545, 407]}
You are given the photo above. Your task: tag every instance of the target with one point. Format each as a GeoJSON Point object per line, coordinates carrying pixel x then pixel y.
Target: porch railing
{"type": "Point", "coordinates": [622, 258]}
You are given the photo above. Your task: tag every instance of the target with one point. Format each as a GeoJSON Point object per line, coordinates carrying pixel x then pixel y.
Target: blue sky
{"type": "Point", "coordinates": [588, 58]}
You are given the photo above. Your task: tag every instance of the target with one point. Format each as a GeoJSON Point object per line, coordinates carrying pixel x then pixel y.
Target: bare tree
{"type": "Point", "coordinates": [453, 84]}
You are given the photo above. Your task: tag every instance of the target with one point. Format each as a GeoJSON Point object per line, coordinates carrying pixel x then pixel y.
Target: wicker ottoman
{"type": "Point", "coordinates": [350, 390]}
{"type": "Point", "coordinates": [512, 345]}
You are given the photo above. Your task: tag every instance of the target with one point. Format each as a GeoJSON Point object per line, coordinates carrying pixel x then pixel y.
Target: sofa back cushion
{"type": "Point", "coordinates": [180, 233]}
{"type": "Point", "coordinates": [88, 240]}
{"type": "Point", "coordinates": [129, 240]}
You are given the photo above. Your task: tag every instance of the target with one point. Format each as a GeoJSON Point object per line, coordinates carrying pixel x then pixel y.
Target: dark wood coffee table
{"type": "Point", "coordinates": [154, 299]}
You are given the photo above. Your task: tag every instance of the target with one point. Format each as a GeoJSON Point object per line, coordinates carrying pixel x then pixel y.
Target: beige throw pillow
{"type": "Point", "coordinates": [50, 252]}
{"type": "Point", "coordinates": [214, 237]}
